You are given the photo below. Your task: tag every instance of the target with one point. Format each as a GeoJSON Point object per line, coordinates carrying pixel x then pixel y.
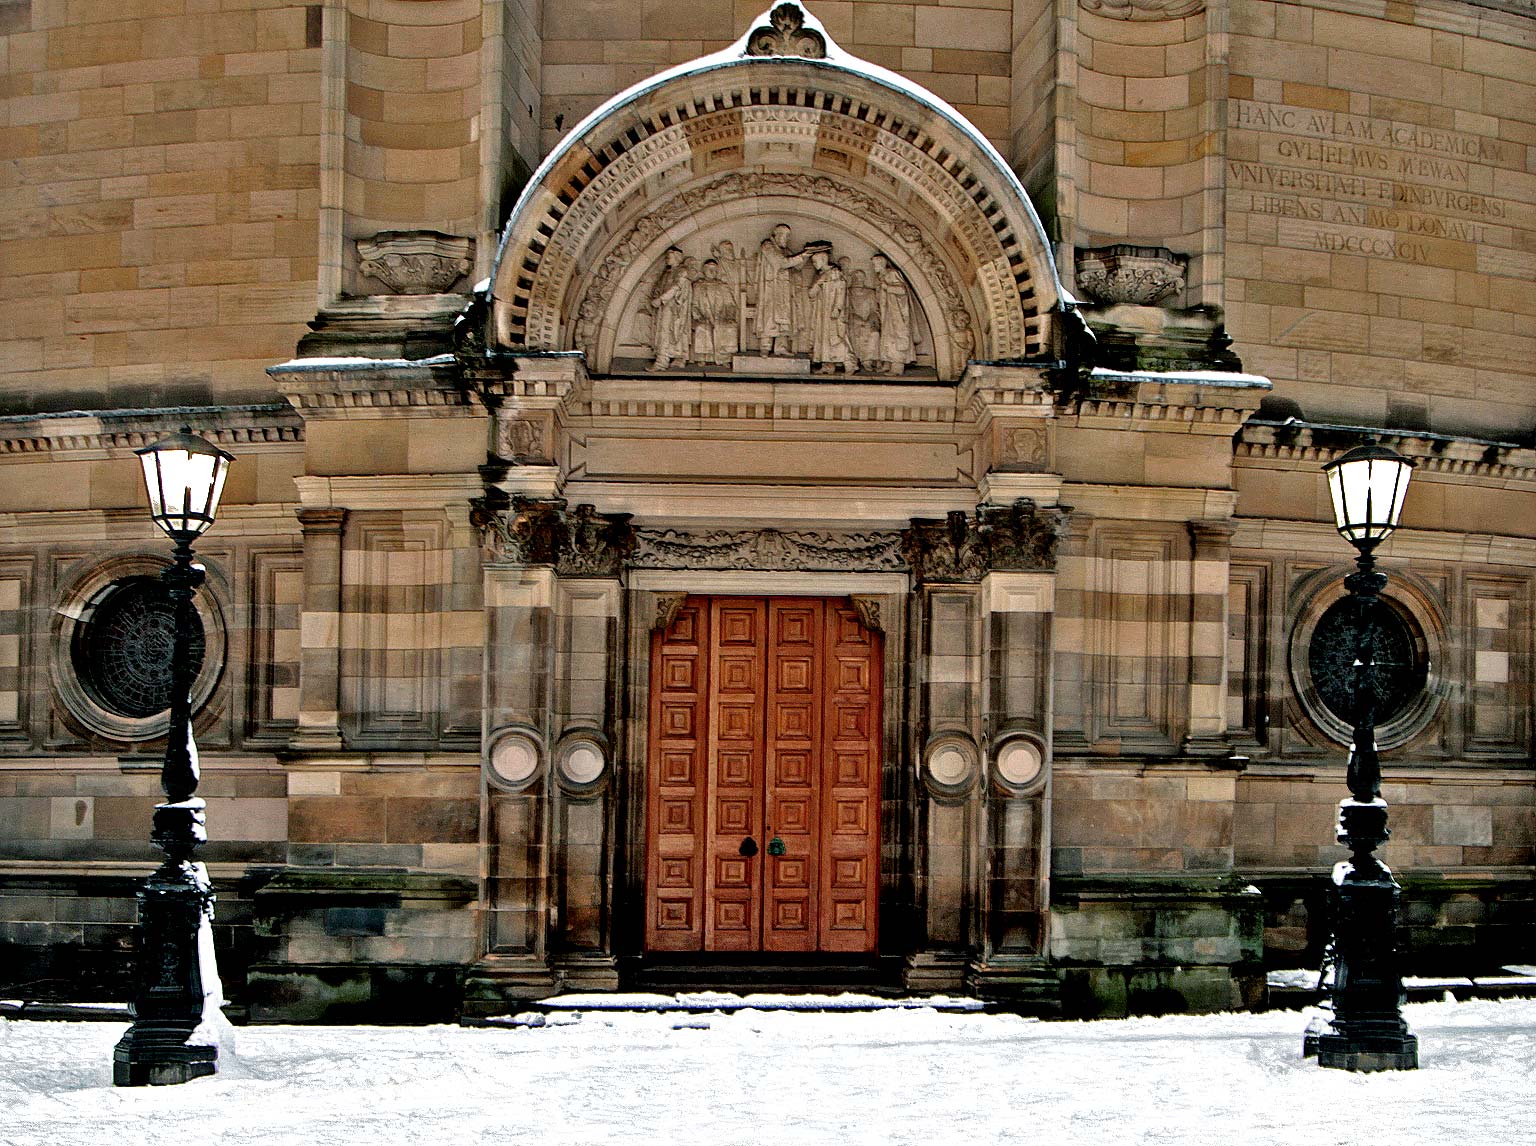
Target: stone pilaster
{"type": "Point", "coordinates": [515, 789]}
{"type": "Point", "coordinates": [1209, 602]}
{"type": "Point", "coordinates": [947, 673]}
{"type": "Point", "coordinates": [320, 631]}
{"type": "Point", "coordinates": [1017, 650]}
{"type": "Point", "coordinates": [588, 633]}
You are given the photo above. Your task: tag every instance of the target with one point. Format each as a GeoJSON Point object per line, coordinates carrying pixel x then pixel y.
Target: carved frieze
{"type": "Point", "coordinates": [786, 34]}
{"type": "Point", "coordinates": [582, 542]}
{"type": "Point", "coordinates": [578, 542]}
{"type": "Point", "coordinates": [1023, 448]}
{"type": "Point", "coordinates": [768, 549]}
{"type": "Point", "coordinates": [415, 262]}
{"type": "Point", "coordinates": [1015, 538]}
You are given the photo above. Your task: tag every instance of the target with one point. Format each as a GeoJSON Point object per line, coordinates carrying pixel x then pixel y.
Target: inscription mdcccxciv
{"type": "Point", "coordinates": [1361, 185]}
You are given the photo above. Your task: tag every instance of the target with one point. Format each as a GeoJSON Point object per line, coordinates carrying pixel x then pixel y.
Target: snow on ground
{"type": "Point", "coordinates": [785, 1078]}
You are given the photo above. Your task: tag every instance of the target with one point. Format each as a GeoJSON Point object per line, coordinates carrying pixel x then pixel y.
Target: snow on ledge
{"type": "Point", "coordinates": [314, 365]}
{"type": "Point", "coordinates": [1229, 379]}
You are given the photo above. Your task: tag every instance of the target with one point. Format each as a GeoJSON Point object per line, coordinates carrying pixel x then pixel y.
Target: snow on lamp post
{"type": "Point", "coordinates": [178, 984]}
{"type": "Point", "coordinates": [1367, 1032]}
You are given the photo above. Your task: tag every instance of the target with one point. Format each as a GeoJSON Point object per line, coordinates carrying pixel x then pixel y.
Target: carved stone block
{"type": "Point", "coordinates": [416, 262]}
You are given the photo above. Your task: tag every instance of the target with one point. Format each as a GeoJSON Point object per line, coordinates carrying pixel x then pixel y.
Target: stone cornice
{"type": "Point", "coordinates": [1295, 444]}
{"type": "Point", "coordinates": [107, 433]}
{"type": "Point", "coordinates": [402, 491]}
{"type": "Point", "coordinates": [1202, 401]}
{"type": "Point", "coordinates": [372, 387]}
{"type": "Point", "coordinates": [1323, 539]}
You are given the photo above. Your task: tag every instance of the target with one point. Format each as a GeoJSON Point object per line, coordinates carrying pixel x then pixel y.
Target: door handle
{"type": "Point", "coordinates": [775, 845]}
{"type": "Point", "coordinates": [748, 847]}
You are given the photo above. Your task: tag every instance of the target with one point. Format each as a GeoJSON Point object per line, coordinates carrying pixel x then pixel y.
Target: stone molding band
{"type": "Point", "coordinates": [582, 542]}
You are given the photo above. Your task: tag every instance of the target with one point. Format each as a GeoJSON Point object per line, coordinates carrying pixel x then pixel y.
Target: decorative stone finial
{"type": "Point", "coordinates": [787, 35]}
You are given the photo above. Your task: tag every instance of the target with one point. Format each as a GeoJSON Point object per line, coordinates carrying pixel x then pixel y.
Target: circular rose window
{"type": "Point", "coordinates": [114, 637]}
{"type": "Point", "coordinates": [1407, 638]}
{"type": "Point", "coordinates": [1396, 651]}
{"type": "Point", "coordinates": [123, 652]}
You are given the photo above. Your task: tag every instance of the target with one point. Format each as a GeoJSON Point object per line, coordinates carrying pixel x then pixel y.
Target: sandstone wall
{"type": "Point", "coordinates": [159, 233]}
{"type": "Point", "coordinates": [1380, 211]}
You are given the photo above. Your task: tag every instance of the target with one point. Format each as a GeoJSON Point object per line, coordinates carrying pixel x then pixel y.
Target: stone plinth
{"type": "Point", "coordinates": [769, 364]}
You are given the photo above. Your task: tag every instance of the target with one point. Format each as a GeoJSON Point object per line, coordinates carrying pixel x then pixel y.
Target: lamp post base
{"type": "Point", "coordinates": [1367, 1032]}
{"type": "Point", "coordinates": [157, 1054]}
{"type": "Point", "coordinates": [1364, 1055]}
{"type": "Point", "coordinates": [176, 970]}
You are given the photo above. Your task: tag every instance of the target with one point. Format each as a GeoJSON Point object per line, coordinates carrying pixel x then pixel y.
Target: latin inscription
{"type": "Point", "coordinates": [1356, 185]}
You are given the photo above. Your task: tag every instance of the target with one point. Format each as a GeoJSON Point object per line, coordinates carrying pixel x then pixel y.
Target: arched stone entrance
{"type": "Point", "coordinates": [780, 327]}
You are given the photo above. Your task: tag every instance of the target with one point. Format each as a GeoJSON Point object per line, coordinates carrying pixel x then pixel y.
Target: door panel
{"type": "Point", "coordinates": [679, 716]}
{"type": "Point", "coordinates": [794, 719]}
{"type": "Point", "coordinates": [764, 723]}
{"type": "Point", "coordinates": [733, 916]}
{"type": "Point", "coordinates": [850, 891]}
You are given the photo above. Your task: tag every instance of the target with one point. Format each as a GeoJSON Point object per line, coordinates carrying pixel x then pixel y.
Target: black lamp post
{"type": "Point", "coordinates": [184, 475]}
{"type": "Point", "coordinates": [1367, 1032]}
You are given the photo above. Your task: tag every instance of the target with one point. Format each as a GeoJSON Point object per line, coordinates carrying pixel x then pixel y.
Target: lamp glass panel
{"type": "Point", "coordinates": [151, 463]}
{"type": "Point", "coordinates": [1368, 496]}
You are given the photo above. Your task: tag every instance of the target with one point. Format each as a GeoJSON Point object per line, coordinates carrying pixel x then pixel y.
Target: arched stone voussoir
{"type": "Point", "coordinates": [886, 167]}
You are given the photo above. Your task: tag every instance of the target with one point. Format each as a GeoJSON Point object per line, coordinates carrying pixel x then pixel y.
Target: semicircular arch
{"type": "Point", "coordinates": [893, 157]}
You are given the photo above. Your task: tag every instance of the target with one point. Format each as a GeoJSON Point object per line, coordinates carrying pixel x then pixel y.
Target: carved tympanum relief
{"type": "Point", "coordinates": [767, 307]}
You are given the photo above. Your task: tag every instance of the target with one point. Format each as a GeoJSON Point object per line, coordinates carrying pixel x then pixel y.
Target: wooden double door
{"type": "Point", "coordinates": [763, 794]}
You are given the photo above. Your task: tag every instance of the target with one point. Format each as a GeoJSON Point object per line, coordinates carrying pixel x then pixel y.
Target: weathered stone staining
{"type": "Point", "coordinates": [802, 311]}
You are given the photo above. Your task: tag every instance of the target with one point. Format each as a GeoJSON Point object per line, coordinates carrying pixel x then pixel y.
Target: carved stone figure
{"type": "Point", "coordinates": [898, 346]}
{"type": "Point", "coordinates": [714, 317]}
{"type": "Point", "coordinates": [672, 300]}
{"type": "Point", "coordinates": [863, 320]}
{"type": "Point", "coordinates": [776, 287]}
{"type": "Point", "coordinates": [829, 315]}
{"type": "Point", "coordinates": [736, 273]}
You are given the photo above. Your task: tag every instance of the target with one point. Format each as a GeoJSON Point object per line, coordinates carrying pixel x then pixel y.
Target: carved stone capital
{"type": "Point", "coordinates": [1017, 538]}
{"type": "Point", "coordinates": [1143, 9]}
{"type": "Point", "coordinates": [578, 542]}
{"type": "Point", "coordinates": [1211, 537]}
{"type": "Point", "coordinates": [868, 609]}
{"type": "Point", "coordinates": [321, 520]}
{"type": "Point", "coordinates": [667, 606]}
{"type": "Point", "coordinates": [415, 262]}
{"type": "Point", "coordinates": [1141, 276]}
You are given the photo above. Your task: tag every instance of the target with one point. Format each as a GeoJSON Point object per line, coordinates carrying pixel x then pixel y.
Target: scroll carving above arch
{"type": "Point", "coordinates": [857, 160]}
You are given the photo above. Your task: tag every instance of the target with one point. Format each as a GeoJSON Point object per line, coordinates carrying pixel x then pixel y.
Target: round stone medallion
{"type": "Point", "coordinates": [1019, 763]}
{"type": "Point", "coordinates": [582, 763]}
{"type": "Point", "coordinates": [515, 758]}
{"type": "Point", "coordinates": [951, 765]}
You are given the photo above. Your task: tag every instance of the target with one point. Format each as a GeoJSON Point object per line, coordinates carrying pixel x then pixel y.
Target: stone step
{"type": "Point", "coordinates": [562, 1009]}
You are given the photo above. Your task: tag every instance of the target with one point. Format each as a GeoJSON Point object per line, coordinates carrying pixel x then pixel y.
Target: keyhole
{"type": "Point", "coordinates": [748, 847]}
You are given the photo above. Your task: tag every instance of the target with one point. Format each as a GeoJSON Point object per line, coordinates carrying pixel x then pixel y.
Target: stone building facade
{"type": "Point", "coordinates": [826, 495]}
